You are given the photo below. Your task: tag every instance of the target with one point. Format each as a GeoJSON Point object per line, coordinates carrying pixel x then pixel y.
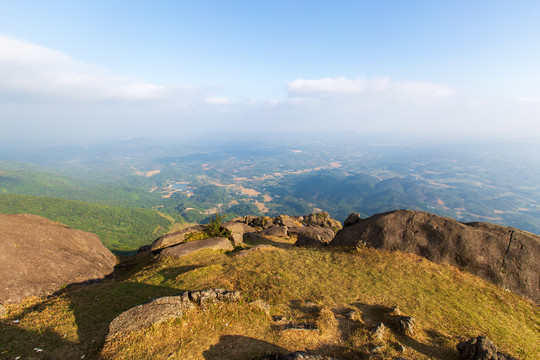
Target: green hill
{"type": "Point", "coordinates": [43, 183]}
{"type": "Point", "coordinates": [119, 228]}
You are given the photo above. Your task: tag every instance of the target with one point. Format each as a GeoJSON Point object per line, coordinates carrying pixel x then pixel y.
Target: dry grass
{"type": "Point", "coordinates": [301, 285]}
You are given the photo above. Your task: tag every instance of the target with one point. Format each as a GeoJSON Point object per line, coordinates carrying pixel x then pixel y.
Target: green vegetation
{"type": "Point", "coordinates": [41, 183]}
{"type": "Point", "coordinates": [119, 228]}
{"type": "Point", "coordinates": [447, 304]}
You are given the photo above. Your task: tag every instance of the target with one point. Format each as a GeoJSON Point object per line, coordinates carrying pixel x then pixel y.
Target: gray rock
{"type": "Point", "coordinates": [152, 312]}
{"type": "Point", "coordinates": [297, 355]}
{"type": "Point", "coordinates": [237, 227]}
{"type": "Point", "coordinates": [184, 249]}
{"type": "Point", "coordinates": [480, 348]}
{"type": "Point", "coordinates": [405, 324]}
{"type": "Point", "coordinates": [260, 304]}
{"type": "Point", "coordinates": [505, 256]}
{"type": "Point", "coordinates": [209, 296]}
{"type": "Point", "coordinates": [174, 238]}
{"type": "Point", "coordinates": [313, 236]}
{"type": "Point", "coordinates": [166, 308]}
{"type": "Point", "coordinates": [279, 231]}
{"type": "Point", "coordinates": [300, 326]}
{"type": "Point", "coordinates": [237, 239]}
{"type": "Point", "coordinates": [323, 220]}
{"type": "Point", "coordinates": [379, 333]}
{"type": "Point", "coordinates": [352, 219]}
{"type": "Point", "coordinates": [284, 220]}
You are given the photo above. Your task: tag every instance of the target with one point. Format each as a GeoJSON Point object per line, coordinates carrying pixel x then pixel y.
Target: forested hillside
{"type": "Point", "coordinates": [119, 228]}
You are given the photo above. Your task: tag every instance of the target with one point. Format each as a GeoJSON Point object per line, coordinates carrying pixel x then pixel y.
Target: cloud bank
{"type": "Point", "coordinates": [30, 71]}
{"type": "Point", "coordinates": [47, 94]}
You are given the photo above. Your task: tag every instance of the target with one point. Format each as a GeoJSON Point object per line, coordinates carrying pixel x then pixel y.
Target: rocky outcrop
{"type": "Point", "coordinates": [237, 230]}
{"type": "Point", "coordinates": [323, 220]}
{"type": "Point", "coordinates": [178, 251]}
{"type": "Point", "coordinates": [313, 236]}
{"type": "Point", "coordinates": [174, 238]}
{"type": "Point", "coordinates": [259, 223]}
{"type": "Point", "coordinates": [39, 256]}
{"type": "Point", "coordinates": [480, 348]}
{"type": "Point", "coordinates": [505, 256]}
{"type": "Point", "coordinates": [278, 231]}
{"type": "Point", "coordinates": [152, 312]}
{"type": "Point", "coordinates": [166, 308]}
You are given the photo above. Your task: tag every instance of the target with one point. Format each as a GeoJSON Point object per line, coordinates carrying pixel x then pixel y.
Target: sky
{"type": "Point", "coordinates": [75, 71]}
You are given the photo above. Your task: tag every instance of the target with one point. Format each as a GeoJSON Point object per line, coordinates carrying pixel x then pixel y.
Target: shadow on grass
{"type": "Point", "coordinates": [173, 272]}
{"type": "Point", "coordinates": [93, 307]}
{"type": "Point", "coordinates": [235, 347]}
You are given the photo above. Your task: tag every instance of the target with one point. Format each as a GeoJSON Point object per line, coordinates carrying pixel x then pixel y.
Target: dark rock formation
{"type": "Point", "coordinates": [217, 243]}
{"type": "Point", "coordinates": [505, 256]}
{"type": "Point", "coordinates": [352, 219]}
{"type": "Point", "coordinates": [174, 238]}
{"type": "Point", "coordinates": [404, 324]}
{"type": "Point", "coordinates": [480, 348]}
{"type": "Point", "coordinates": [39, 256]}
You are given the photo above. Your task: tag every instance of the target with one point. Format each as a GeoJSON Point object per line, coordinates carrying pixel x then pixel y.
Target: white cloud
{"type": "Point", "coordinates": [28, 70]}
{"type": "Point", "coordinates": [217, 100]}
{"type": "Point", "coordinates": [382, 88]}
{"type": "Point", "coordinates": [529, 100]}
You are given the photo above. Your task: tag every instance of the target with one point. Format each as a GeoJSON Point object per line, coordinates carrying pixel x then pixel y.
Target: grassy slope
{"type": "Point", "coordinates": [447, 304]}
{"type": "Point", "coordinates": [119, 228]}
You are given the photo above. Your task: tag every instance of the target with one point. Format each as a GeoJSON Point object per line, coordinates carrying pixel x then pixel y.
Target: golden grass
{"type": "Point", "coordinates": [448, 305]}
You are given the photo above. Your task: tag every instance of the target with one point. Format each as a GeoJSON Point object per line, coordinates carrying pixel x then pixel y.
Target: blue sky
{"type": "Point", "coordinates": [116, 69]}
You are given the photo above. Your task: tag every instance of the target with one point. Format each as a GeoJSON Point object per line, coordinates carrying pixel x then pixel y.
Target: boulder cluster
{"type": "Point", "coordinates": [505, 256]}
{"type": "Point", "coordinates": [311, 230]}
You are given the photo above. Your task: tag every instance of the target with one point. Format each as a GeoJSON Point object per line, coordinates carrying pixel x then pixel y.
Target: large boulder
{"type": "Point", "coordinates": [166, 308]}
{"type": "Point", "coordinates": [39, 256]}
{"type": "Point", "coordinates": [278, 231]}
{"type": "Point", "coordinates": [174, 238]}
{"type": "Point", "coordinates": [178, 251]}
{"type": "Point", "coordinates": [312, 236]}
{"type": "Point", "coordinates": [152, 312]}
{"type": "Point", "coordinates": [503, 255]}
